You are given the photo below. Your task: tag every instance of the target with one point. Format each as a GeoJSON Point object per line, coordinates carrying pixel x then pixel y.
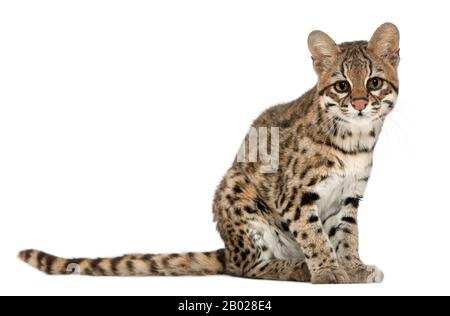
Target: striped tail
{"type": "Point", "coordinates": [202, 263]}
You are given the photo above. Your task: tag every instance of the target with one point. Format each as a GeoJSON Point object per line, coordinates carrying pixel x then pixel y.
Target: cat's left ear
{"type": "Point", "coordinates": [385, 43]}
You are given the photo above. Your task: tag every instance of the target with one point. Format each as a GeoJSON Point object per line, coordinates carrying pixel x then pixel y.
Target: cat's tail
{"type": "Point", "coordinates": [201, 263]}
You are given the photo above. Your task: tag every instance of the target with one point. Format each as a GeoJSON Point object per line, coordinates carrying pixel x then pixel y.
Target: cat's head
{"type": "Point", "coordinates": [358, 81]}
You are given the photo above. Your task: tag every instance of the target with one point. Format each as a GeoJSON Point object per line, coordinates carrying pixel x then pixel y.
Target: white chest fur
{"type": "Point", "coordinates": [346, 182]}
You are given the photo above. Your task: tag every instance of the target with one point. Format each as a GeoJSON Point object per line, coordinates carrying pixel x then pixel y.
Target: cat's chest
{"type": "Point", "coordinates": [348, 181]}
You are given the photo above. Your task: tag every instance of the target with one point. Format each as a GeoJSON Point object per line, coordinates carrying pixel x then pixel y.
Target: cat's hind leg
{"type": "Point", "coordinates": [259, 263]}
{"type": "Point", "coordinates": [256, 246]}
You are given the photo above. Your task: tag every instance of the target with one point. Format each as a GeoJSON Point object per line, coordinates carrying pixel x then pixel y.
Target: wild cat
{"type": "Point", "coordinates": [299, 222]}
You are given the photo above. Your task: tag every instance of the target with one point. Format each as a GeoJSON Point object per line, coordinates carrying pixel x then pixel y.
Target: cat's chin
{"type": "Point", "coordinates": [360, 120]}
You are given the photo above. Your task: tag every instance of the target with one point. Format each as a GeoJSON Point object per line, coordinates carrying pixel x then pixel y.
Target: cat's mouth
{"type": "Point", "coordinates": [358, 118]}
{"type": "Point", "coordinates": [360, 115]}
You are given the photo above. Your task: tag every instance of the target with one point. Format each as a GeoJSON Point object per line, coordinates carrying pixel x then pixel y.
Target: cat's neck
{"type": "Point", "coordinates": [356, 137]}
{"type": "Point", "coordinates": [347, 136]}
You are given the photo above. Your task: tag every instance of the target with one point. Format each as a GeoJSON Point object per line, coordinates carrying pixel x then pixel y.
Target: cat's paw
{"type": "Point", "coordinates": [366, 274]}
{"type": "Point", "coordinates": [331, 276]}
{"type": "Point", "coordinates": [375, 275]}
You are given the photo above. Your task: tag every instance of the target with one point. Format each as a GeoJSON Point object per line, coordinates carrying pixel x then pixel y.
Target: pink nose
{"type": "Point", "coordinates": [359, 104]}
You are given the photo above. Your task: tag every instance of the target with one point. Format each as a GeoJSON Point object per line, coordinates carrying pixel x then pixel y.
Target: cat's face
{"type": "Point", "coordinates": [358, 81]}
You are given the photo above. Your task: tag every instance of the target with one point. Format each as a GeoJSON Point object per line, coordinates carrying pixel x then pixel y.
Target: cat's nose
{"type": "Point", "coordinates": [360, 104]}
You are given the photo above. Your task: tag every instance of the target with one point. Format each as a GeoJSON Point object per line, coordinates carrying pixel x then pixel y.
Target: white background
{"type": "Point", "coordinates": [119, 118]}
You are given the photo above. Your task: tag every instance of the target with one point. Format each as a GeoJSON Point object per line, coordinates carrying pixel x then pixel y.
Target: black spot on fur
{"type": "Point", "coordinates": [262, 206]}
{"type": "Point", "coordinates": [332, 232]}
{"type": "Point", "coordinates": [230, 199]}
{"type": "Point", "coordinates": [349, 219]}
{"type": "Point", "coordinates": [297, 214]}
{"type": "Point", "coordinates": [244, 255]}
{"type": "Point", "coordinates": [221, 255]}
{"type": "Point", "coordinates": [288, 207]}
{"type": "Point", "coordinates": [389, 103]}
{"type": "Point", "coordinates": [249, 210]}
{"type": "Point", "coordinates": [309, 198]}
{"type": "Point", "coordinates": [282, 199]}
{"type": "Point", "coordinates": [313, 219]}
{"type": "Point", "coordinates": [305, 172]}
{"type": "Point", "coordinates": [312, 182]}
{"type": "Point", "coordinates": [264, 267]}
{"type": "Point", "coordinates": [354, 201]}
{"type": "Point", "coordinates": [147, 257]}
{"type": "Point", "coordinates": [323, 178]}
{"type": "Point", "coordinates": [237, 189]}
{"type": "Point", "coordinates": [285, 124]}
{"type": "Point", "coordinates": [95, 263]}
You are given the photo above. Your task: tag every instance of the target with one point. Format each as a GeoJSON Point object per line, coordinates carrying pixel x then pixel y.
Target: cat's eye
{"type": "Point", "coordinates": [342, 86]}
{"type": "Point", "coordinates": [374, 84]}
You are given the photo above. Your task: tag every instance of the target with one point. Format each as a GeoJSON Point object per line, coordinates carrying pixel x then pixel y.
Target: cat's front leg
{"type": "Point", "coordinates": [342, 231]}
{"type": "Point", "coordinates": [307, 228]}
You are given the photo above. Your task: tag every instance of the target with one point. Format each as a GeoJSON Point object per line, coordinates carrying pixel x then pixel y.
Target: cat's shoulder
{"type": "Point", "coordinates": [285, 115]}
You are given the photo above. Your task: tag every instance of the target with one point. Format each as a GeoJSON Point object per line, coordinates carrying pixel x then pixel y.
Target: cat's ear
{"type": "Point", "coordinates": [385, 43]}
{"type": "Point", "coordinates": [323, 49]}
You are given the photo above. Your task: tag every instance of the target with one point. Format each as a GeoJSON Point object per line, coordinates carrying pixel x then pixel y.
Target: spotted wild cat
{"type": "Point", "coordinates": [299, 222]}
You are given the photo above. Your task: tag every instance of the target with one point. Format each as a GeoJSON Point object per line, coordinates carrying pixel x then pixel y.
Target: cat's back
{"type": "Point", "coordinates": [286, 115]}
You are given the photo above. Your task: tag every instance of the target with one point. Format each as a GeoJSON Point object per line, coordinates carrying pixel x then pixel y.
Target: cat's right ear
{"type": "Point", "coordinates": [324, 50]}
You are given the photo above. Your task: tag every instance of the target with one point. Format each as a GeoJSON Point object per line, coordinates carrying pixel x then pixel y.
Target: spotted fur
{"type": "Point", "coordinates": [300, 222]}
